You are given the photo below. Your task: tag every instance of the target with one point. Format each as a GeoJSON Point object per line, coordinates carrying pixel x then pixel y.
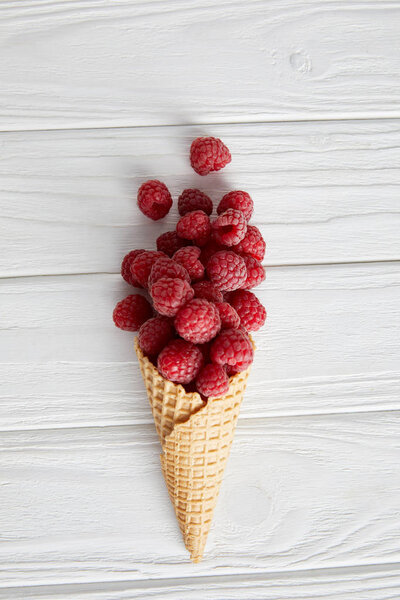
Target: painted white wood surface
{"type": "Point", "coordinates": [84, 514]}
{"type": "Point", "coordinates": [375, 582]}
{"type": "Point", "coordinates": [299, 493]}
{"type": "Point", "coordinates": [325, 349]}
{"type": "Point", "coordinates": [324, 192]}
{"type": "Point", "coordinates": [72, 63]}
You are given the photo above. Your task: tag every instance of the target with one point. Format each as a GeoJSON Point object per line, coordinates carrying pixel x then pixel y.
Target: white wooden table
{"type": "Point", "coordinates": [96, 96]}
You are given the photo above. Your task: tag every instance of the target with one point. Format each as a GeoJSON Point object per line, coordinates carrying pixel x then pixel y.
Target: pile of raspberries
{"type": "Point", "coordinates": [195, 320]}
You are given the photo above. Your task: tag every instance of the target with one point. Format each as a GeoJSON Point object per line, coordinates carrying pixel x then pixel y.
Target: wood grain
{"type": "Point", "coordinates": [358, 583]}
{"type": "Point", "coordinates": [308, 492]}
{"type": "Point", "coordinates": [68, 198]}
{"type": "Point", "coordinates": [81, 63]}
{"type": "Point", "coordinates": [331, 344]}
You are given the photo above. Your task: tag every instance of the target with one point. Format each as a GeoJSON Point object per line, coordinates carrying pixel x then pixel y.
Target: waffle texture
{"type": "Point", "coordinates": [196, 438]}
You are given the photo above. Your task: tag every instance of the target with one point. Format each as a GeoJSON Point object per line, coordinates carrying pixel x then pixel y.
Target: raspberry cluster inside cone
{"type": "Point", "coordinates": [195, 308]}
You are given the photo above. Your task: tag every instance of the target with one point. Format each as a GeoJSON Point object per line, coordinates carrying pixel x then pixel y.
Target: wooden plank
{"type": "Point", "coordinates": [362, 583]}
{"type": "Point", "coordinates": [74, 64]}
{"type": "Point", "coordinates": [324, 192]}
{"type": "Point", "coordinates": [331, 344]}
{"type": "Point", "coordinates": [85, 505]}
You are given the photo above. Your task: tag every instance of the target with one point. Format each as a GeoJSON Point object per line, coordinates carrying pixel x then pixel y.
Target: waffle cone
{"type": "Point", "coordinates": [196, 438]}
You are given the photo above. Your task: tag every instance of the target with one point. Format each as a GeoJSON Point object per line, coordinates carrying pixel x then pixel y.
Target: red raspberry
{"type": "Point", "coordinates": [232, 347]}
{"type": "Point", "coordinates": [166, 267]}
{"type": "Point", "coordinates": [228, 315]}
{"type": "Point", "coordinates": [198, 321]}
{"type": "Point", "coordinates": [212, 381]}
{"type": "Point", "coordinates": [238, 200]}
{"type": "Point", "coordinates": [180, 361]}
{"type": "Point", "coordinates": [154, 334]}
{"type": "Point", "coordinates": [252, 243]}
{"type": "Point", "coordinates": [189, 258]}
{"type": "Point", "coordinates": [126, 267]}
{"type": "Point", "coordinates": [255, 272]}
{"type": "Point", "coordinates": [208, 154]}
{"type": "Point", "coordinates": [170, 294]}
{"type": "Point", "coordinates": [227, 270]}
{"type": "Point", "coordinates": [250, 310]}
{"type": "Point", "coordinates": [154, 199]}
{"type": "Point", "coordinates": [194, 226]}
{"type": "Point", "coordinates": [169, 242]}
{"type": "Point", "coordinates": [206, 290]}
{"type": "Point", "coordinates": [209, 250]}
{"type": "Point", "coordinates": [142, 264]}
{"type": "Point", "coordinates": [192, 199]}
{"type": "Point", "coordinates": [131, 312]}
{"type": "Point", "coordinates": [230, 227]}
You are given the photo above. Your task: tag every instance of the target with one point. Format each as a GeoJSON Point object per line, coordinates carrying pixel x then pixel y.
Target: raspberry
{"type": "Point", "coordinates": [166, 267]}
{"type": "Point", "coordinates": [255, 272]}
{"type": "Point", "coordinates": [209, 250]}
{"type": "Point", "coordinates": [194, 226]}
{"type": "Point", "coordinates": [230, 227]}
{"type": "Point", "coordinates": [206, 290]}
{"type": "Point", "coordinates": [154, 334]}
{"type": "Point", "coordinates": [192, 199]}
{"type": "Point", "coordinates": [170, 294]}
{"type": "Point", "coordinates": [228, 315]}
{"type": "Point", "coordinates": [250, 310]}
{"type": "Point", "coordinates": [212, 381]}
{"type": "Point", "coordinates": [208, 154]}
{"type": "Point", "coordinates": [238, 200]}
{"type": "Point", "coordinates": [154, 199]}
{"type": "Point", "coordinates": [131, 312]}
{"type": "Point", "coordinates": [169, 242]}
{"type": "Point", "coordinates": [198, 321]}
{"type": "Point", "coordinates": [180, 361]}
{"type": "Point", "coordinates": [232, 347]}
{"type": "Point", "coordinates": [252, 243]}
{"type": "Point", "coordinates": [126, 267]}
{"type": "Point", "coordinates": [189, 258]}
{"type": "Point", "coordinates": [227, 270]}
{"type": "Point", "coordinates": [142, 264]}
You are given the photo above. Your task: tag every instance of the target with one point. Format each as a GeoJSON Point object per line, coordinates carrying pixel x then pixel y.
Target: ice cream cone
{"type": "Point", "coordinates": [196, 438]}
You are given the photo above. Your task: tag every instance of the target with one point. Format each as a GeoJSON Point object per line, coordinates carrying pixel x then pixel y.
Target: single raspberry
{"type": "Point", "coordinates": [169, 242]}
{"type": "Point", "coordinates": [238, 200]}
{"type": "Point", "coordinates": [208, 154]}
{"type": "Point", "coordinates": [166, 267]}
{"type": "Point", "coordinates": [154, 199]}
{"type": "Point", "coordinates": [227, 270]}
{"type": "Point", "coordinates": [170, 294]}
{"type": "Point", "coordinates": [208, 291]}
{"type": "Point", "coordinates": [142, 264]}
{"type": "Point", "coordinates": [232, 347]}
{"type": "Point", "coordinates": [209, 250]}
{"type": "Point", "coordinates": [255, 272]}
{"type": "Point", "coordinates": [191, 200]}
{"type": "Point", "coordinates": [194, 226]}
{"type": "Point", "coordinates": [230, 227]}
{"type": "Point", "coordinates": [198, 321]}
{"type": "Point", "coordinates": [180, 361]}
{"type": "Point", "coordinates": [212, 381]}
{"type": "Point", "coordinates": [126, 267]}
{"type": "Point", "coordinates": [252, 244]}
{"type": "Point", "coordinates": [189, 259]}
{"type": "Point", "coordinates": [250, 310]}
{"type": "Point", "coordinates": [228, 315]}
{"type": "Point", "coordinates": [154, 334]}
{"type": "Point", "coordinates": [131, 312]}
